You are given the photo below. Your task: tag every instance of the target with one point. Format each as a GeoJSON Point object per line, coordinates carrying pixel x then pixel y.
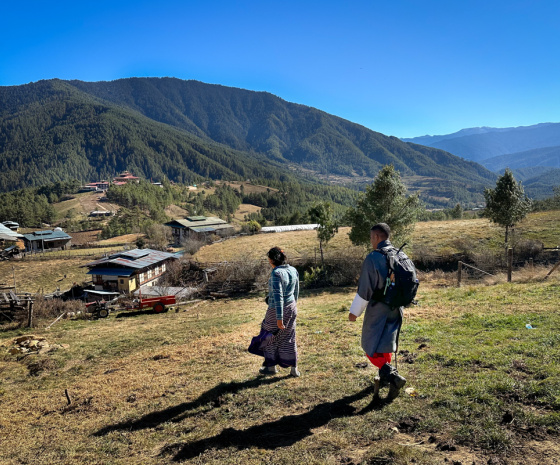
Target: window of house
{"type": "Point", "coordinates": [163, 268]}
{"type": "Point", "coordinates": [122, 281]}
{"type": "Point", "coordinates": [141, 277]}
{"type": "Point", "coordinates": [150, 274]}
{"type": "Point", "coordinates": [157, 270]}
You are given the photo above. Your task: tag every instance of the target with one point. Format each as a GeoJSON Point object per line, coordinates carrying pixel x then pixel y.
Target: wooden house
{"type": "Point", "coordinates": [198, 227]}
{"type": "Point", "coordinates": [44, 241]}
{"type": "Point", "coordinates": [126, 271]}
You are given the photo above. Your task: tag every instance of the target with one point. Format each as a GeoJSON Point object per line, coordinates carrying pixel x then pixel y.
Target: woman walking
{"type": "Point", "coordinates": [280, 318]}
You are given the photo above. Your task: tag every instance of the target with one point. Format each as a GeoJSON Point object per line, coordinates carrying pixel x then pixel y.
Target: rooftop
{"type": "Point", "coordinates": [136, 259]}
{"type": "Point", "coordinates": [47, 235]}
{"type": "Point", "coordinates": [195, 221]}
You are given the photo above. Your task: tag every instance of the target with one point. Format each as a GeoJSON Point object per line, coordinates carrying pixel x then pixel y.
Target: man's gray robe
{"type": "Point", "coordinates": [381, 323]}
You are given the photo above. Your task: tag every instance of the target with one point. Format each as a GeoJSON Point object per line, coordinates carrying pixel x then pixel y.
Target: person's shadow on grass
{"type": "Point", "coordinates": [210, 399]}
{"type": "Point", "coordinates": [280, 433]}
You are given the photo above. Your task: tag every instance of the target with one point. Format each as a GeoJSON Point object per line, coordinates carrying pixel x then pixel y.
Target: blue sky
{"type": "Point", "coordinates": [401, 67]}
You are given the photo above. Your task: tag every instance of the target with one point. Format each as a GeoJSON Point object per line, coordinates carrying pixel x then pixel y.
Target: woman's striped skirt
{"type": "Point", "coordinates": [282, 349]}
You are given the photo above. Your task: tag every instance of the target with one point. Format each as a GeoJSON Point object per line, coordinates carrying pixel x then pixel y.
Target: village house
{"type": "Point", "coordinates": [44, 241]}
{"type": "Point", "coordinates": [11, 225]}
{"type": "Point", "coordinates": [95, 186]}
{"type": "Point", "coordinates": [126, 271]}
{"type": "Point", "coordinates": [198, 227]}
{"type": "Point", "coordinates": [97, 213]}
{"type": "Point", "coordinates": [10, 237]}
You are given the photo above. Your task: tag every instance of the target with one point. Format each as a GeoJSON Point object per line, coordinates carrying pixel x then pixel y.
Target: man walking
{"type": "Point", "coordinates": [381, 322]}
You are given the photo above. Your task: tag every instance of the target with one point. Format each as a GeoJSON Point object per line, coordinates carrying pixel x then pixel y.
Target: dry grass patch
{"type": "Point", "coordinates": [297, 244]}
{"type": "Point", "coordinates": [248, 187]}
{"type": "Point", "coordinates": [175, 211]}
{"type": "Point", "coordinates": [245, 209]}
{"type": "Point", "coordinates": [85, 237]}
{"type": "Point", "coordinates": [44, 276]}
{"type": "Point", "coordinates": [124, 239]}
{"type": "Point", "coordinates": [432, 238]}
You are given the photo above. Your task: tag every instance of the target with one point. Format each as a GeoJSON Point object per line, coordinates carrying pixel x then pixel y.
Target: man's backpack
{"type": "Point", "coordinates": [401, 283]}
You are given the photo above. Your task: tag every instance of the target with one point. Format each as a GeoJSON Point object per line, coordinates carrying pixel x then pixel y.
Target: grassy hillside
{"type": "Point", "coordinates": [437, 237]}
{"type": "Point", "coordinates": [180, 387]}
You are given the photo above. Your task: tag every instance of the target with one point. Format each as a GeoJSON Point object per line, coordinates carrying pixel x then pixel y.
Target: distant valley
{"type": "Point", "coordinates": [531, 152]}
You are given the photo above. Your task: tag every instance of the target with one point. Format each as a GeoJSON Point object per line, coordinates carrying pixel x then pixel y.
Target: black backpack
{"type": "Point", "coordinates": [401, 283]}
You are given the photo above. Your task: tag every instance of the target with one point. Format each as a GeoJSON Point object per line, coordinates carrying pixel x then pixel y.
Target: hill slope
{"type": "Point", "coordinates": [263, 123]}
{"type": "Point", "coordinates": [187, 130]}
{"type": "Point", "coordinates": [542, 157]}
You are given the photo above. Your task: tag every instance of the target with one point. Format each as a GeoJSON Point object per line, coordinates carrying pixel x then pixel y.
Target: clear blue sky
{"type": "Point", "coordinates": [401, 67]}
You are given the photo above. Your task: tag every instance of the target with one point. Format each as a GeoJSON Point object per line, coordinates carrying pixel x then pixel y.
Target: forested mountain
{"type": "Point", "coordinates": [187, 130]}
{"type": "Point", "coordinates": [542, 186]}
{"type": "Point", "coordinates": [50, 131]}
{"type": "Point", "coordinates": [480, 144]}
{"type": "Point", "coordinates": [547, 157]}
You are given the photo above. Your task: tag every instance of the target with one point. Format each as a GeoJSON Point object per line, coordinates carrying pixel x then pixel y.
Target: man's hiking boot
{"type": "Point", "coordinates": [393, 392]}
{"type": "Point", "coordinates": [268, 370]}
{"type": "Point", "coordinates": [389, 375]}
{"type": "Point", "coordinates": [295, 372]}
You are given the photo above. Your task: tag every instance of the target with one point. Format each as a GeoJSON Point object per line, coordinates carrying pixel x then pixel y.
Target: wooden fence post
{"type": "Point", "coordinates": [459, 273]}
{"type": "Point", "coordinates": [509, 263]}
{"type": "Point", "coordinates": [551, 271]}
{"type": "Point", "coordinates": [29, 313]}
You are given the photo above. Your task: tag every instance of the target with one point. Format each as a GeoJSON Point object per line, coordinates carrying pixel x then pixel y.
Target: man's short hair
{"type": "Point", "coordinates": [382, 228]}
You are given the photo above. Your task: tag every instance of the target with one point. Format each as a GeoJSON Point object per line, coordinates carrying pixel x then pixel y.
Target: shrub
{"type": "Point", "coordinates": [250, 227]}
{"type": "Point", "coordinates": [243, 270]}
{"type": "Point", "coordinates": [47, 309]}
{"type": "Point", "coordinates": [192, 246]}
{"type": "Point", "coordinates": [527, 248]}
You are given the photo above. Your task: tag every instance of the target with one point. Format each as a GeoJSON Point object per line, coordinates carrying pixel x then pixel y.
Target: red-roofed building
{"type": "Point", "coordinates": [125, 177]}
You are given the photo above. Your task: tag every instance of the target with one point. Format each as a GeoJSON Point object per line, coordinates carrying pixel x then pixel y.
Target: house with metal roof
{"type": "Point", "coordinates": [45, 241]}
{"type": "Point", "coordinates": [128, 270]}
{"type": "Point", "coordinates": [10, 238]}
{"type": "Point", "coordinates": [11, 225]}
{"type": "Point", "coordinates": [7, 234]}
{"type": "Point", "coordinates": [198, 227]}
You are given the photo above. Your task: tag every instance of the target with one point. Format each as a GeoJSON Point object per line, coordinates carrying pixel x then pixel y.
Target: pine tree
{"type": "Point", "coordinates": [385, 201]}
{"type": "Point", "coordinates": [507, 204]}
{"type": "Point", "coordinates": [322, 213]}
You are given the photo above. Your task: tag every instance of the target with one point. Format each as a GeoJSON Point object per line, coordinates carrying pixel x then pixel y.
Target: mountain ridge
{"type": "Point", "coordinates": [188, 130]}
{"type": "Point", "coordinates": [476, 145]}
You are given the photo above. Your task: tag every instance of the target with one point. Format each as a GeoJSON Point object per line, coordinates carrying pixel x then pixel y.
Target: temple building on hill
{"type": "Point", "coordinates": [125, 177]}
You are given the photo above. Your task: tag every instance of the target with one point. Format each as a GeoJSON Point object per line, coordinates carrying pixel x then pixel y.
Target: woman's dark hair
{"type": "Point", "coordinates": [277, 255]}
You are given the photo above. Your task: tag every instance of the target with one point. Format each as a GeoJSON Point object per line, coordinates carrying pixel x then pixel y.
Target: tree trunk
{"type": "Point", "coordinates": [506, 243]}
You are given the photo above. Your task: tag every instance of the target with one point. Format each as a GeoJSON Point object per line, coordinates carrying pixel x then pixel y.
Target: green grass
{"type": "Point", "coordinates": [152, 389]}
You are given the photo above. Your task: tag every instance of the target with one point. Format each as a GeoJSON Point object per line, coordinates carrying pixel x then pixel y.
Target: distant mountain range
{"type": "Point", "coordinates": [479, 144]}
{"type": "Point", "coordinates": [187, 130]}
{"type": "Point", "coordinates": [543, 158]}
{"type": "Point", "coordinates": [531, 152]}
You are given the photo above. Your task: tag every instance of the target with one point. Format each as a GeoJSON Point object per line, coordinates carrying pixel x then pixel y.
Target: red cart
{"type": "Point", "coordinates": [159, 304]}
